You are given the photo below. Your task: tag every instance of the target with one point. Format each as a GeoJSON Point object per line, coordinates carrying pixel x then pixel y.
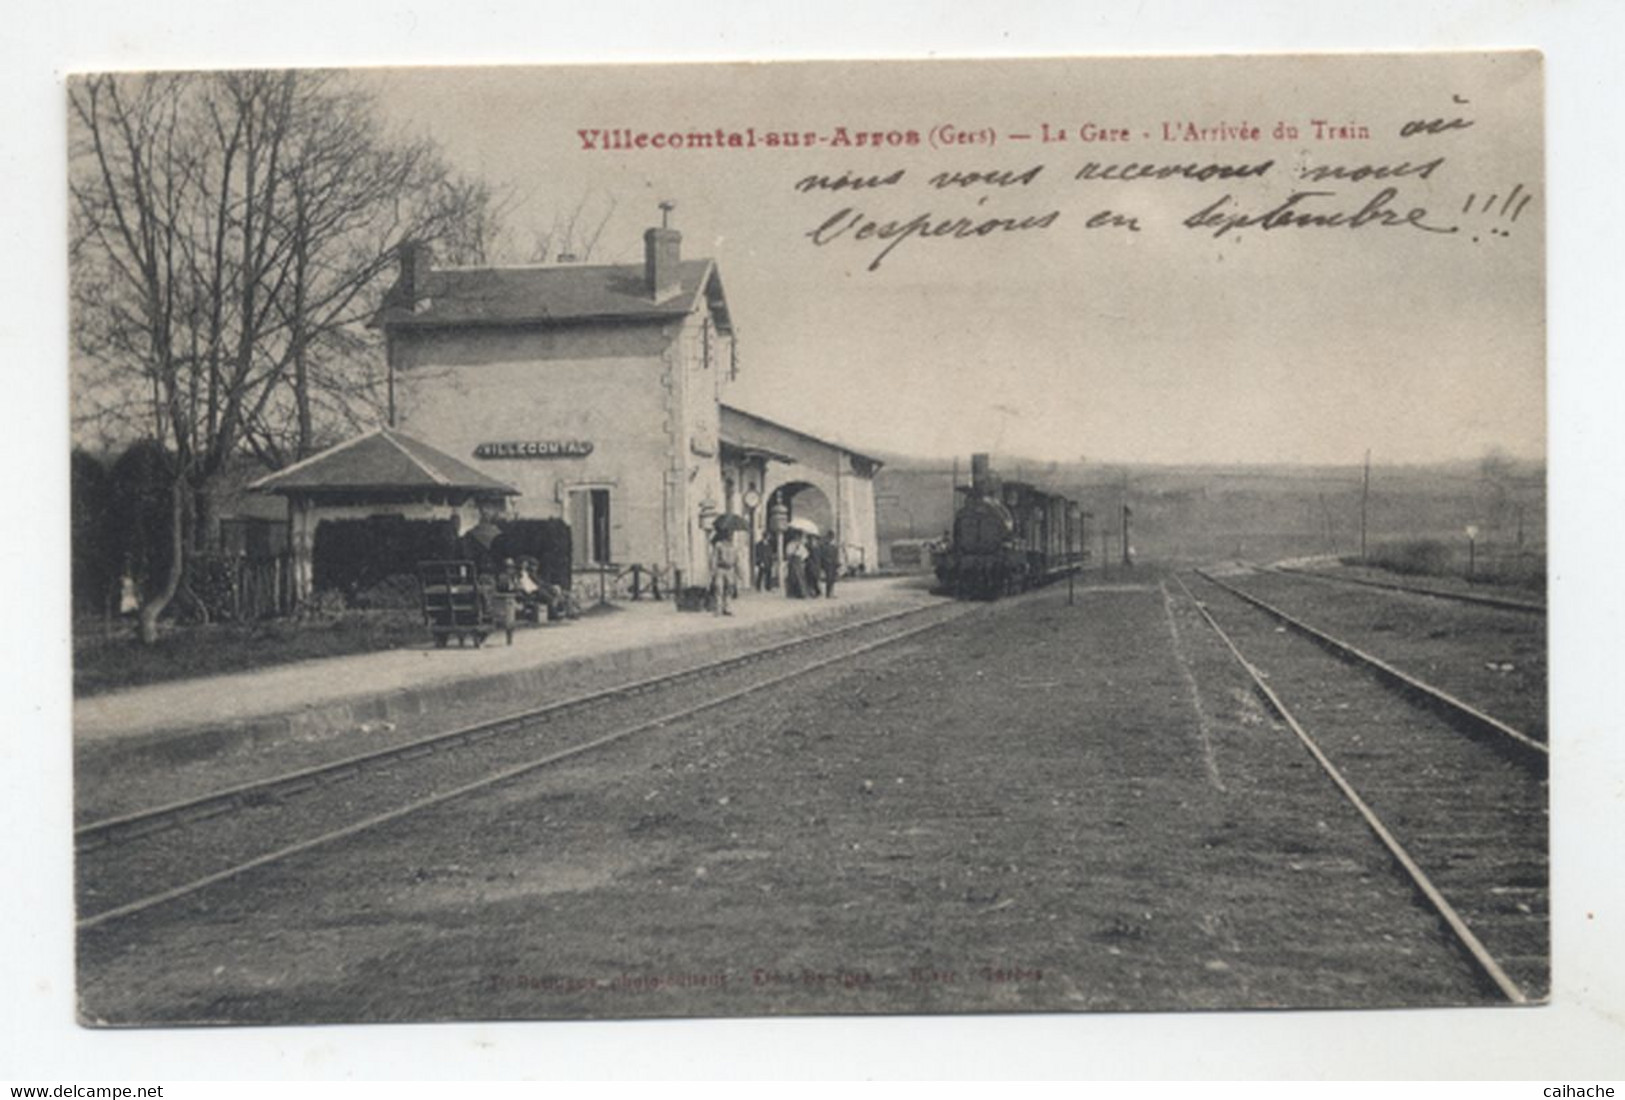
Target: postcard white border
{"type": "Point", "coordinates": [1579, 1034]}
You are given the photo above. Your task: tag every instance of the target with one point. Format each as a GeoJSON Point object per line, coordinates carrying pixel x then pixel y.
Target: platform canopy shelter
{"type": "Point", "coordinates": [380, 473]}
{"type": "Point", "coordinates": [800, 476]}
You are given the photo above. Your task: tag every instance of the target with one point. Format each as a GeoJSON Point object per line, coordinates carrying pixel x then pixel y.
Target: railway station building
{"type": "Point", "coordinates": [596, 394]}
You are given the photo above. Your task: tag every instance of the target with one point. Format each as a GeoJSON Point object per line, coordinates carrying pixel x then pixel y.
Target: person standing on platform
{"type": "Point", "coordinates": [505, 604]}
{"type": "Point", "coordinates": [811, 565]}
{"type": "Point", "coordinates": [762, 563]}
{"type": "Point", "coordinates": [724, 570]}
{"type": "Point", "coordinates": [829, 563]}
{"type": "Point", "coordinates": [795, 568]}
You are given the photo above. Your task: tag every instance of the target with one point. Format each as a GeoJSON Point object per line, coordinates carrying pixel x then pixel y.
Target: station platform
{"type": "Point", "coordinates": [185, 719]}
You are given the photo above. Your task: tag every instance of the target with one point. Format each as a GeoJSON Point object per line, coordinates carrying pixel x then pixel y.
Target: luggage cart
{"type": "Point", "coordinates": [454, 604]}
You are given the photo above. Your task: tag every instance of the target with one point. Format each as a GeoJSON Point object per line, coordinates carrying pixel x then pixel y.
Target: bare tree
{"type": "Point", "coordinates": [574, 234]}
{"type": "Point", "coordinates": [230, 231]}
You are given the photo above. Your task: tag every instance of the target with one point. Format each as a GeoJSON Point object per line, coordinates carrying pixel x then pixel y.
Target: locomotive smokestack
{"type": "Point", "coordinates": [981, 475]}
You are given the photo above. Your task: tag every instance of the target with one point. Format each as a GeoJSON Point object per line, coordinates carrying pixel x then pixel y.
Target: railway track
{"type": "Point", "coordinates": [1463, 817]}
{"type": "Point", "coordinates": [133, 862]}
{"type": "Point", "coordinates": [1491, 652]}
{"type": "Point", "coordinates": [1474, 719]}
{"type": "Point", "coordinates": [1501, 603]}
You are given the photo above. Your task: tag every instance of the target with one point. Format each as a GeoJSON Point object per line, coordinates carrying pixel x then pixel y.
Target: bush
{"type": "Point", "coordinates": [97, 557]}
{"type": "Point", "coordinates": [352, 556]}
{"type": "Point", "coordinates": [399, 592]}
{"type": "Point", "coordinates": [1425, 557]}
{"type": "Point", "coordinates": [212, 580]}
{"type": "Point", "coordinates": [325, 603]}
{"type": "Point", "coordinates": [1418, 557]}
{"type": "Point", "coordinates": [372, 562]}
{"type": "Point", "coordinates": [139, 489]}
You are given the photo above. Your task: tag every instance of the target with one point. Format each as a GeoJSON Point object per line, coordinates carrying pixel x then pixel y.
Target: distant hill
{"type": "Point", "coordinates": [1191, 512]}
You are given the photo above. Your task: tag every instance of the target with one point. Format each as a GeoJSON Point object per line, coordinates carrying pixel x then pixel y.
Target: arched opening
{"type": "Point", "coordinates": [796, 510]}
{"type": "Point", "coordinates": [805, 501]}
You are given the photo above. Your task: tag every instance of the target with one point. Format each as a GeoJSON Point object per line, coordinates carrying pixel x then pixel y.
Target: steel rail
{"type": "Point", "coordinates": [1441, 905]}
{"type": "Point", "coordinates": [1531, 751]}
{"type": "Point", "coordinates": [140, 822]}
{"type": "Point", "coordinates": [1499, 602]}
{"type": "Point", "coordinates": [504, 776]}
{"type": "Point", "coordinates": [96, 834]}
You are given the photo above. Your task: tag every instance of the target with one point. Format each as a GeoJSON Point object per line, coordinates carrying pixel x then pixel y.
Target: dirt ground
{"type": "Point", "coordinates": [1475, 819]}
{"type": "Point", "coordinates": [1037, 807]}
{"type": "Point", "coordinates": [117, 784]}
{"type": "Point", "coordinates": [1493, 659]}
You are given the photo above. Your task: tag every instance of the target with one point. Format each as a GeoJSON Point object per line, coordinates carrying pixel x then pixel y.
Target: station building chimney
{"type": "Point", "coordinates": [662, 253]}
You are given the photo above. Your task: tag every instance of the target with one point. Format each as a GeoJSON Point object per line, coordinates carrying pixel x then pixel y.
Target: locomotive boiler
{"type": "Point", "coordinates": [1008, 536]}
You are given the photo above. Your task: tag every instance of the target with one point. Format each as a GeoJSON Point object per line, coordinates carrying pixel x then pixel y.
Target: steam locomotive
{"type": "Point", "coordinates": [1008, 536]}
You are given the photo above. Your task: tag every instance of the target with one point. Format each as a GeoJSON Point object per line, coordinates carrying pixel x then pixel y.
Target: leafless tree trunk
{"type": "Point", "coordinates": [231, 232]}
{"type": "Point", "coordinates": [155, 604]}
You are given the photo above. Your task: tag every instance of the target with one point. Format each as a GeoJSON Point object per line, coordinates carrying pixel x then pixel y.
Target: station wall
{"type": "Point", "coordinates": [644, 395]}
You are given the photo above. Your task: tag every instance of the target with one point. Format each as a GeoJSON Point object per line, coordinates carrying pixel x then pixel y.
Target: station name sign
{"type": "Point", "coordinates": [536, 448]}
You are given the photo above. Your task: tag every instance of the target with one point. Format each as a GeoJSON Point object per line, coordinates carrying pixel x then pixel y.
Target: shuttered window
{"type": "Point", "coordinates": [589, 526]}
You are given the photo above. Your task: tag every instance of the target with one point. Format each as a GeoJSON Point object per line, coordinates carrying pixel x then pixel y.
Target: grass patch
{"type": "Point", "coordinates": [1506, 567]}
{"type": "Point", "coordinates": [182, 652]}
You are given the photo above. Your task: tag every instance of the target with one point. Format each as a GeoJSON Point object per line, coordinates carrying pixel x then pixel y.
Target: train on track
{"type": "Point", "coordinates": [1008, 536]}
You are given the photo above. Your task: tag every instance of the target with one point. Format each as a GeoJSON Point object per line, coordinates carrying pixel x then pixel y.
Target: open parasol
{"type": "Point", "coordinates": [730, 522]}
{"type": "Point", "coordinates": [805, 526]}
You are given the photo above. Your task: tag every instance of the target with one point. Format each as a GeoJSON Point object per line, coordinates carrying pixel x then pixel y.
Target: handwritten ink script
{"type": "Point", "coordinates": [1111, 177]}
{"type": "Point", "coordinates": [1300, 188]}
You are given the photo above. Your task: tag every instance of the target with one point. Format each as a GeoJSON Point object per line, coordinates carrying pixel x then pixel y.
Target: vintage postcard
{"type": "Point", "coordinates": [1051, 535]}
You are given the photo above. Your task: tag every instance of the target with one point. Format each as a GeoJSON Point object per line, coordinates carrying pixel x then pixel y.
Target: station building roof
{"type": "Point", "coordinates": [559, 293]}
{"type": "Point", "coordinates": [748, 432]}
{"type": "Point", "coordinates": [381, 460]}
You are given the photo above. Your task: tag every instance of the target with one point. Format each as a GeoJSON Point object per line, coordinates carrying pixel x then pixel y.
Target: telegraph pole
{"type": "Point", "coordinates": [1127, 561]}
{"type": "Point", "coordinates": [1365, 496]}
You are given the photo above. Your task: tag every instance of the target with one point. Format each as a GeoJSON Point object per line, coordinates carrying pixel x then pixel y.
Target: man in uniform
{"type": "Point", "coordinates": [829, 562]}
{"type": "Point", "coordinates": [762, 563]}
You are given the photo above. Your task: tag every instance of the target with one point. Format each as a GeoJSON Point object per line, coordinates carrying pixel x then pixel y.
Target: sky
{"type": "Point", "coordinates": [1161, 343]}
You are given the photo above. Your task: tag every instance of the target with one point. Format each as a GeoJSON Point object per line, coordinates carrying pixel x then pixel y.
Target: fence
{"type": "Point", "coordinates": [602, 582]}
{"type": "Point", "coordinates": [242, 589]}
